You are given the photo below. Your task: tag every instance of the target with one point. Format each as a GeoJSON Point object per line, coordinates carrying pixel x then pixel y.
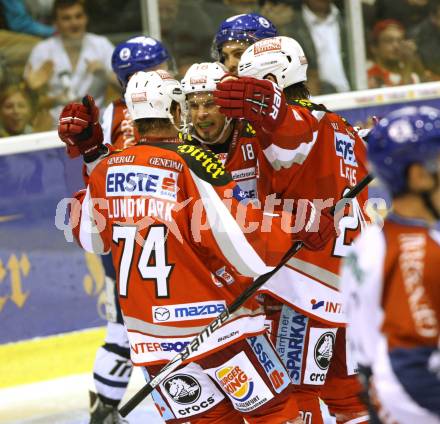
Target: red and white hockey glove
{"type": "Point", "coordinates": [79, 128]}
{"type": "Point", "coordinates": [261, 102]}
{"type": "Point", "coordinates": [317, 227]}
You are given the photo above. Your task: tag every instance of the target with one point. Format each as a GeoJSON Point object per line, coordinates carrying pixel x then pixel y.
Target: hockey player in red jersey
{"type": "Point", "coordinates": [158, 208]}
{"type": "Point", "coordinates": [390, 278]}
{"type": "Point", "coordinates": [232, 140]}
{"type": "Point", "coordinates": [315, 154]}
{"type": "Point", "coordinates": [112, 368]}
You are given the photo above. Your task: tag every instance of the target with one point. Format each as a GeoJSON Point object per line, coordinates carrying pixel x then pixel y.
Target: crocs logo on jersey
{"type": "Point", "coordinates": [235, 382]}
{"type": "Point", "coordinates": [324, 350]}
{"type": "Point", "coordinates": [267, 45]}
{"type": "Point", "coordinates": [183, 388]}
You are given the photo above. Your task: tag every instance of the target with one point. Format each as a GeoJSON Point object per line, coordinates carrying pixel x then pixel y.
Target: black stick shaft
{"type": "Point", "coordinates": [234, 306]}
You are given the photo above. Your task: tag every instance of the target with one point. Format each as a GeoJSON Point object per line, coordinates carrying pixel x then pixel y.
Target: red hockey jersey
{"type": "Point", "coordinates": [316, 155]}
{"type": "Point", "coordinates": [118, 127]}
{"type": "Point", "coordinates": [159, 210]}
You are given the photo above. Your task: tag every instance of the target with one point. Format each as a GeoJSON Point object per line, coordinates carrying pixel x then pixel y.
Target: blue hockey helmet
{"type": "Point", "coordinates": [403, 137]}
{"type": "Point", "coordinates": [137, 54]}
{"type": "Point", "coordinates": [248, 28]}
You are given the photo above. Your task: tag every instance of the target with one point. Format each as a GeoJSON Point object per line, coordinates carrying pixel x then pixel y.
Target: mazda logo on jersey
{"type": "Point", "coordinates": [188, 311]}
{"type": "Point", "coordinates": [161, 314]}
{"type": "Point", "coordinates": [183, 388]}
{"type": "Point", "coordinates": [324, 350]}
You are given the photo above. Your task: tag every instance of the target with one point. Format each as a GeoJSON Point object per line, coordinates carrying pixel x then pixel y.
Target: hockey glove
{"type": "Point", "coordinates": [80, 129]}
{"type": "Point", "coordinates": [259, 101]}
{"type": "Point", "coordinates": [317, 228]}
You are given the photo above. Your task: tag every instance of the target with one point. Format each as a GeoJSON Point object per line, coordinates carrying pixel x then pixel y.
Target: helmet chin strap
{"type": "Point", "coordinates": [225, 127]}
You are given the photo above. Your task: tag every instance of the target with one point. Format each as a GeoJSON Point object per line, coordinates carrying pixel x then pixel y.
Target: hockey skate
{"type": "Point", "coordinates": [100, 413]}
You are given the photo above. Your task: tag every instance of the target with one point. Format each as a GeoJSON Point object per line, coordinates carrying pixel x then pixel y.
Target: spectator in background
{"type": "Point", "coordinates": [319, 28]}
{"type": "Point", "coordinates": [427, 38]}
{"type": "Point", "coordinates": [186, 30]}
{"type": "Point", "coordinates": [15, 111]}
{"type": "Point", "coordinates": [17, 115]}
{"type": "Point", "coordinates": [71, 64]}
{"type": "Point", "coordinates": [395, 60]}
{"type": "Point", "coordinates": [408, 12]}
{"type": "Point", "coordinates": [19, 19]}
{"type": "Point", "coordinates": [19, 33]}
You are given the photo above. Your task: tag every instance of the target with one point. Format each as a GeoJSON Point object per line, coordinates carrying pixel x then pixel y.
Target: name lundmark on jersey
{"type": "Point", "coordinates": [140, 208]}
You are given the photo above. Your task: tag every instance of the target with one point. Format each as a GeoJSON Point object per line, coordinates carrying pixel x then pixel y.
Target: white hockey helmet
{"type": "Point", "coordinates": [202, 77]}
{"type": "Point", "coordinates": [282, 57]}
{"type": "Point", "coordinates": [150, 95]}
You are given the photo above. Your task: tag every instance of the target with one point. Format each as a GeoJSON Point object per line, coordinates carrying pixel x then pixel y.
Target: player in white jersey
{"type": "Point", "coordinates": [390, 279]}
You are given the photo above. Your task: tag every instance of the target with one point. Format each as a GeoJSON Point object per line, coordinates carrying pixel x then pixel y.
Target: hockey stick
{"type": "Point", "coordinates": [224, 316]}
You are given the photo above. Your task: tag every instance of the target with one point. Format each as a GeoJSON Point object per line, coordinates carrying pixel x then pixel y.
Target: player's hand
{"type": "Point", "coordinates": [80, 129]}
{"type": "Point", "coordinates": [259, 101]}
{"type": "Point", "coordinates": [317, 227]}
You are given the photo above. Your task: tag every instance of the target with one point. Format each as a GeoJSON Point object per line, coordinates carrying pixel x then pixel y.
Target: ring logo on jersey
{"type": "Point", "coordinates": [235, 382]}
{"type": "Point", "coordinates": [324, 350]}
{"type": "Point", "coordinates": [183, 388]}
{"type": "Point", "coordinates": [135, 180]}
{"type": "Point", "coordinates": [161, 314]}
{"type": "Point", "coordinates": [344, 147]}
{"type": "Point", "coordinates": [188, 311]}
